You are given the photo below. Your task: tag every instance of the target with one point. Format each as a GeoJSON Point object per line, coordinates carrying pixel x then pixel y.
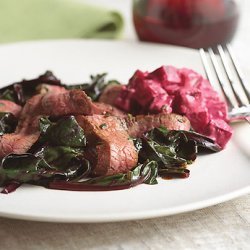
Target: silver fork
{"type": "Point", "coordinates": [221, 66]}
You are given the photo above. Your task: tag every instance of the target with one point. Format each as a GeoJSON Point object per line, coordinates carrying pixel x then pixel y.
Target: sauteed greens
{"type": "Point", "coordinates": [57, 159]}
{"type": "Point", "coordinates": [20, 92]}
{"type": "Point", "coordinates": [8, 123]}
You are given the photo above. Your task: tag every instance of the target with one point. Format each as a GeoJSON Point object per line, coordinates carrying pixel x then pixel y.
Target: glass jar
{"type": "Point", "coordinates": [190, 23]}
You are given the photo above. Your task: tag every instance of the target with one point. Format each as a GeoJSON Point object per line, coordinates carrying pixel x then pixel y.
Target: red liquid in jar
{"type": "Point", "coordinates": [190, 23]}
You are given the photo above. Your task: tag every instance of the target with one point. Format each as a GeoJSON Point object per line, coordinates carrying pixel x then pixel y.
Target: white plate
{"type": "Point", "coordinates": [214, 178]}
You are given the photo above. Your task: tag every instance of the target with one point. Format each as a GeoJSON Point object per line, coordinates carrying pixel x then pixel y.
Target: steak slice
{"type": "Point", "coordinates": [66, 103]}
{"type": "Point", "coordinates": [26, 134]}
{"type": "Point", "coordinates": [72, 102]}
{"type": "Point", "coordinates": [17, 143]}
{"type": "Point", "coordinates": [110, 94]}
{"type": "Point", "coordinates": [140, 124]}
{"type": "Point", "coordinates": [113, 152]}
{"type": "Point", "coordinates": [106, 109]}
{"type": "Point", "coordinates": [10, 107]}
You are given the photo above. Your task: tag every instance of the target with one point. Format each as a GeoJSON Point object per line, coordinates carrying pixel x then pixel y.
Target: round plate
{"type": "Point", "coordinates": [214, 177]}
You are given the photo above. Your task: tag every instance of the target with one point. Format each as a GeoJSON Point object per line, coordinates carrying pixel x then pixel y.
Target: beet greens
{"type": "Point", "coordinates": [57, 159]}
{"type": "Point", "coordinates": [8, 123]}
{"type": "Point", "coordinates": [173, 150]}
{"type": "Point", "coordinates": [95, 87]}
{"type": "Point", "coordinates": [20, 92]}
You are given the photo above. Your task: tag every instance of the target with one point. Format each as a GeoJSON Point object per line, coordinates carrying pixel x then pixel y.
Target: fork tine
{"type": "Point", "coordinates": [218, 73]}
{"type": "Point", "coordinates": [238, 71]}
{"type": "Point", "coordinates": [210, 74]}
{"type": "Point", "coordinates": [221, 69]}
{"type": "Point", "coordinates": [229, 74]}
{"type": "Point", "coordinates": [206, 66]}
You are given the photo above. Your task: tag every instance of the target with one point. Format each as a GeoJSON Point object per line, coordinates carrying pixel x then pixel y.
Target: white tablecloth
{"type": "Point", "coordinates": [224, 226]}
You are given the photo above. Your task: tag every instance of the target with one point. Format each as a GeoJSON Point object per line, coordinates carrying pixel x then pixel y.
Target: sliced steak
{"type": "Point", "coordinates": [10, 107]}
{"type": "Point", "coordinates": [110, 94]}
{"type": "Point", "coordinates": [72, 102]}
{"type": "Point", "coordinates": [106, 109]}
{"type": "Point", "coordinates": [114, 151]}
{"type": "Point", "coordinates": [62, 103]}
{"type": "Point", "coordinates": [27, 131]}
{"type": "Point", "coordinates": [17, 143]}
{"type": "Point", "coordinates": [66, 103]}
{"type": "Point", "coordinates": [140, 124]}
{"type": "Point", "coordinates": [26, 134]}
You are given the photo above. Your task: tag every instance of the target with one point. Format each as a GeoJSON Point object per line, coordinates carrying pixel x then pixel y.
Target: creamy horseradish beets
{"type": "Point", "coordinates": [180, 91]}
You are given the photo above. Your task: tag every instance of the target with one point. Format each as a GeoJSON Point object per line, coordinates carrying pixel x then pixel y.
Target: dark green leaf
{"type": "Point", "coordinates": [151, 166]}
{"type": "Point", "coordinates": [8, 123]}
{"type": "Point", "coordinates": [137, 143]}
{"type": "Point", "coordinates": [19, 92]}
{"type": "Point", "coordinates": [95, 87]}
{"type": "Point", "coordinates": [143, 173]}
{"type": "Point", "coordinates": [27, 168]}
{"type": "Point", "coordinates": [44, 124]}
{"type": "Point", "coordinates": [65, 132]}
{"type": "Point", "coordinates": [164, 155]}
{"type": "Point", "coordinates": [148, 169]}
{"type": "Point", "coordinates": [23, 168]}
{"type": "Point", "coordinates": [174, 172]}
{"type": "Point", "coordinates": [8, 94]}
{"type": "Point", "coordinates": [59, 156]}
{"type": "Point", "coordinates": [173, 150]}
{"type": "Point", "coordinates": [202, 141]}
{"type": "Point", "coordinates": [176, 136]}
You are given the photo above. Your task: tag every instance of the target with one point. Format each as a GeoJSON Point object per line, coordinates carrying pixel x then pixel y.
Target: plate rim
{"type": "Point", "coordinates": [132, 216]}
{"type": "Point", "coordinates": [89, 40]}
{"type": "Point", "coordinates": [116, 217]}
